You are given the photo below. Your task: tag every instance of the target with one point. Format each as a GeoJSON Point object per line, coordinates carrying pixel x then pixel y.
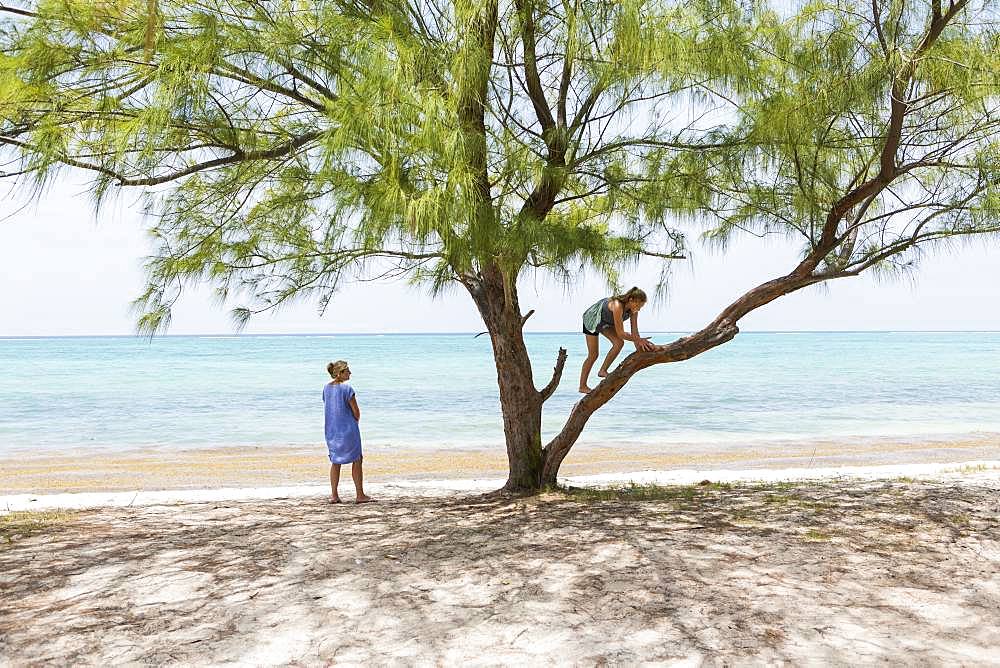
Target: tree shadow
{"type": "Point", "coordinates": [781, 572]}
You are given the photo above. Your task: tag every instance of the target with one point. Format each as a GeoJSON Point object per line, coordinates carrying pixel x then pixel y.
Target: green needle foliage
{"type": "Point", "coordinates": [283, 146]}
{"type": "Point", "coordinates": [876, 133]}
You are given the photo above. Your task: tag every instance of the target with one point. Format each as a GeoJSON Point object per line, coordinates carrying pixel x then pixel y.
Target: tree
{"type": "Point", "coordinates": [283, 146]}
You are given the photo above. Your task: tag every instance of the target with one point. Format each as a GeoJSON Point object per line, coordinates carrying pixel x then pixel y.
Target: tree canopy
{"type": "Point", "coordinates": [281, 144]}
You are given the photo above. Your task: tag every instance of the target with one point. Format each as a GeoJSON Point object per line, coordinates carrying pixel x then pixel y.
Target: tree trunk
{"type": "Point", "coordinates": [520, 401]}
{"type": "Point", "coordinates": [521, 407]}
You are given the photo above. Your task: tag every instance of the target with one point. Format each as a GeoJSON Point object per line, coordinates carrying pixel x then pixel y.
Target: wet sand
{"type": "Point", "coordinates": [160, 469]}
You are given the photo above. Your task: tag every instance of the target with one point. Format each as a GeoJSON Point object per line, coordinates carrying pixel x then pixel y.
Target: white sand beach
{"type": "Point", "coordinates": [459, 486]}
{"type": "Point", "coordinates": [841, 566]}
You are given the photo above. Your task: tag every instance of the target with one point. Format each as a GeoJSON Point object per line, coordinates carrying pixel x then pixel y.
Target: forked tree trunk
{"type": "Point", "coordinates": [532, 467]}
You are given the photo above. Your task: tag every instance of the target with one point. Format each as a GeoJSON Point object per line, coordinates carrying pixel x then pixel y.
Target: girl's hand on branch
{"type": "Point", "coordinates": [644, 345]}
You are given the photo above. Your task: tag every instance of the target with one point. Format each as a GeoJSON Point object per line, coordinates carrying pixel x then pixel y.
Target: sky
{"type": "Point", "coordinates": [65, 271]}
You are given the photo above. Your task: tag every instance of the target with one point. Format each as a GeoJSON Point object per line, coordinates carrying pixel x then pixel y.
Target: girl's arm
{"type": "Point", "coordinates": [616, 312]}
{"type": "Point", "coordinates": [634, 321]}
{"type": "Point", "coordinates": [616, 315]}
{"type": "Point", "coordinates": [641, 344]}
{"type": "Point", "coordinates": [354, 408]}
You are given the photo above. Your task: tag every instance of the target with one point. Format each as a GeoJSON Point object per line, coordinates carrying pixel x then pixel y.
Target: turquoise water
{"type": "Point", "coordinates": [111, 393]}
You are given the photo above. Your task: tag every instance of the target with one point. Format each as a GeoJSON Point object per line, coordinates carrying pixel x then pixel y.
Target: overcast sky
{"type": "Point", "coordinates": [67, 272]}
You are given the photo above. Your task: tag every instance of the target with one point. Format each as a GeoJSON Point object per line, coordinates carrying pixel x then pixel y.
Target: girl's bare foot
{"type": "Point", "coordinates": [365, 499]}
{"type": "Point", "coordinates": [602, 374]}
{"type": "Point", "coordinates": [335, 499]}
{"type": "Point", "coordinates": [584, 389]}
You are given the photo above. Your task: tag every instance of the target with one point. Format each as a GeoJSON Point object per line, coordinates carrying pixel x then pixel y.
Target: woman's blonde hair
{"type": "Point", "coordinates": [336, 368]}
{"type": "Point", "coordinates": [633, 294]}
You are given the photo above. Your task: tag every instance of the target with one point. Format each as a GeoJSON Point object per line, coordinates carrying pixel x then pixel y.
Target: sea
{"type": "Point", "coordinates": [73, 395]}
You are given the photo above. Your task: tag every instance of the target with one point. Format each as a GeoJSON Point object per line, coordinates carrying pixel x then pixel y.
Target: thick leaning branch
{"type": "Point", "coordinates": [682, 349]}
{"type": "Point", "coordinates": [721, 330]}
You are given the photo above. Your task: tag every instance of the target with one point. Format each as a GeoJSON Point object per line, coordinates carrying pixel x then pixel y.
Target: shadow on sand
{"type": "Point", "coordinates": [804, 572]}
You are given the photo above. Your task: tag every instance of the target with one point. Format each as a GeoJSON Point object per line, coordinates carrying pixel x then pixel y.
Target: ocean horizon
{"type": "Point", "coordinates": [65, 394]}
{"type": "Point", "coordinates": [231, 335]}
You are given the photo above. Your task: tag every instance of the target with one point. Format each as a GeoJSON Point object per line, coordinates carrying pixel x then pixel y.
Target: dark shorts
{"type": "Point", "coordinates": [600, 329]}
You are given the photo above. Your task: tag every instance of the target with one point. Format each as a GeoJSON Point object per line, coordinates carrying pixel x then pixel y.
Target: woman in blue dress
{"type": "Point", "coordinates": [343, 437]}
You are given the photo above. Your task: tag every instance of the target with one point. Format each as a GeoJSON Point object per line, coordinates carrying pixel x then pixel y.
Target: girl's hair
{"type": "Point", "coordinates": [633, 294]}
{"type": "Point", "coordinates": [335, 368]}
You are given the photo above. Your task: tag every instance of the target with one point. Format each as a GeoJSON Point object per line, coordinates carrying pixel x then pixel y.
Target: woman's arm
{"type": "Point", "coordinates": [616, 312]}
{"type": "Point", "coordinates": [354, 408]}
{"type": "Point", "coordinates": [634, 321]}
{"type": "Point", "coordinates": [640, 343]}
{"type": "Point", "coordinates": [616, 316]}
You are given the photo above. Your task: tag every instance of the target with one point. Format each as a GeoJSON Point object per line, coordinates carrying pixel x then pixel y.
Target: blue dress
{"type": "Point", "coordinates": [343, 438]}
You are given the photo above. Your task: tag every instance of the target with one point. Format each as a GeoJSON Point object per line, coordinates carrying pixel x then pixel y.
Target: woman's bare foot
{"type": "Point", "coordinates": [335, 499]}
{"type": "Point", "coordinates": [584, 389]}
{"type": "Point", "coordinates": [365, 499]}
{"type": "Point", "coordinates": [602, 374]}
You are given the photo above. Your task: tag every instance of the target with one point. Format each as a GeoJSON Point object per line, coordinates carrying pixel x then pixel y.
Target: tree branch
{"type": "Point", "coordinates": [664, 256]}
{"type": "Point", "coordinates": [557, 371]}
{"type": "Point", "coordinates": [237, 156]}
{"type": "Point", "coordinates": [888, 169]}
{"type": "Point", "coordinates": [534, 84]}
{"type": "Point", "coordinates": [681, 349]}
{"type": "Point", "coordinates": [20, 12]}
{"type": "Point", "coordinates": [229, 71]}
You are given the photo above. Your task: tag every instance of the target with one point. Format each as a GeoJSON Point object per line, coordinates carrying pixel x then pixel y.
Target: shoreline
{"type": "Point", "coordinates": [162, 469]}
{"type": "Point", "coordinates": [986, 472]}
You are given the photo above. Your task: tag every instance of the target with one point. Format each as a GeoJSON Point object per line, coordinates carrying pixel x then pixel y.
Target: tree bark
{"type": "Point", "coordinates": [520, 402]}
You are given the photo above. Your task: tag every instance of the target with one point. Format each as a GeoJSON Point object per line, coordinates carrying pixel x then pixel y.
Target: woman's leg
{"type": "Point", "coordinates": [616, 347]}
{"type": "Point", "coordinates": [334, 482]}
{"type": "Point", "coordinates": [359, 483]}
{"type": "Point", "coordinates": [588, 363]}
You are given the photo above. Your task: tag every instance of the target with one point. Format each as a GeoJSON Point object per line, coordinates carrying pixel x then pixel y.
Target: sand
{"type": "Point", "coordinates": [172, 469]}
{"type": "Point", "coordinates": [815, 566]}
